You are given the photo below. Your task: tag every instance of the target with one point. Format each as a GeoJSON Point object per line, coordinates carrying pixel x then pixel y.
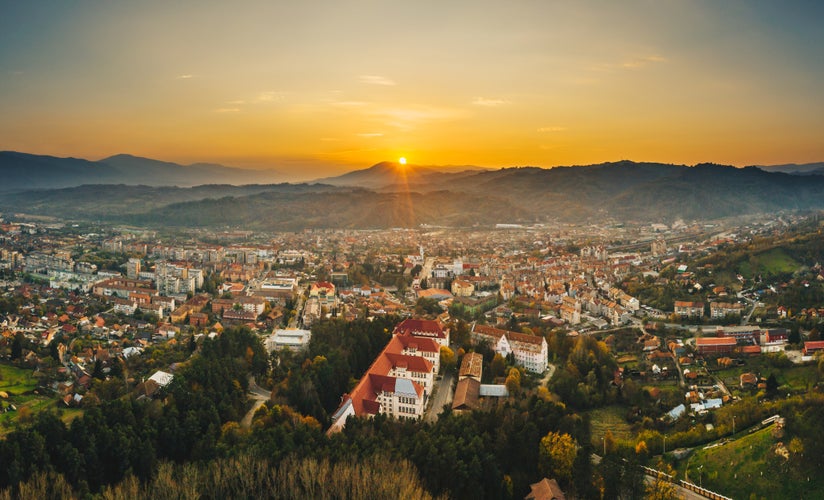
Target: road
{"type": "Point", "coordinates": [260, 396]}
{"type": "Point", "coordinates": [746, 319]}
{"type": "Point", "coordinates": [680, 492]}
{"type": "Point", "coordinates": [301, 300]}
{"type": "Point", "coordinates": [443, 394]}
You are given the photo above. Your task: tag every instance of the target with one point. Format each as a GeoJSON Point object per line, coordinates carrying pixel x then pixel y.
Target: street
{"type": "Point", "coordinates": [442, 395]}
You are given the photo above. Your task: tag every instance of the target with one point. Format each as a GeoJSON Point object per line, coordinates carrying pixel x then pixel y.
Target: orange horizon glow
{"type": "Point", "coordinates": [313, 92]}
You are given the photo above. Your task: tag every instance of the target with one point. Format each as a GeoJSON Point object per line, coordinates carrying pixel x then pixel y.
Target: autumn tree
{"type": "Point", "coordinates": [513, 381]}
{"type": "Point", "coordinates": [447, 358]}
{"type": "Point", "coordinates": [662, 487]}
{"type": "Point", "coordinates": [556, 455]}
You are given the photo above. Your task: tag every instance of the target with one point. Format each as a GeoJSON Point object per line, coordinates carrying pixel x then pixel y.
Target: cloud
{"type": "Point", "coordinates": [236, 102]}
{"type": "Point", "coordinates": [185, 77]}
{"type": "Point", "coordinates": [370, 134]}
{"type": "Point", "coordinates": [376, 80]}
{"type": "Point", "coordinates": [227, 110]}
{"type": "Point", "coordinates": [483, 101]}
{"type": "Point", "coordinates": [551, 129]}
{"type": "Point", "coordinates": [269, 96]}
{"type": "Point", "coordinates": [640, 62]}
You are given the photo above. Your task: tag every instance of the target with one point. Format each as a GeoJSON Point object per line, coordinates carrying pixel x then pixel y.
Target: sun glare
{"type": "Point", "coordinates": [402, 160]}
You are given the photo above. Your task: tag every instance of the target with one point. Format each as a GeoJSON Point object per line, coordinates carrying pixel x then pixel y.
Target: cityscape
{"type": "Point", "coordinates": [552, 250]}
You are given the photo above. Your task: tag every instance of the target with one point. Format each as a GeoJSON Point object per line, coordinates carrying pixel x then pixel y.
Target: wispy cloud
{"type": "Point", "coordinates": [269, 96]}
{"type": "Point", "coordinates": [227, 110]}
{"type": "Point", "coordinates": [484, 101]}
{"type": "Point", "coordinates": [640, 62]}
{"type": "Point", "coordinates": [545, 130]}
{"type": "Point", "coordinates": [376, 80]}
{"type": "Point", "coordinates": [370, 134]}
{"type": "Point", "coordinates": [185, 77]}
{"type": "Point", "coordinates": [236, 102]}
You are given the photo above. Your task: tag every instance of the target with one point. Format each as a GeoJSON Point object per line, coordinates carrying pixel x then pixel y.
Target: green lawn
{"type": "Point", "coordinates": [749, 465]}
{"type": "Point", "coordinates": [795, 378]}
{"type": "Point", "coordinates": [19, 384]}
{"type": "Point", "coordinates": [612, 418]}
{"type": "Point", "coordinates": [15, 380]}
{"type": "Point", "coordinates": [772, 261]}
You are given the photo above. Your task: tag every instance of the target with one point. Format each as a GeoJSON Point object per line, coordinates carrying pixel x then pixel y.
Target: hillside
{"type": "Point", "coordinates": [27, 171]}
{"type": "Point", "coordinates": [389, 174]}
{"type": "Point", "coordinates": [617, 192]}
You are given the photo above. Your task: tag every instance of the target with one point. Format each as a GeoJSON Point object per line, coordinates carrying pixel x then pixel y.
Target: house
{"type": "Point", "coordinates": [467, 395]}
{"type": "Point", "coordinates": [689, 309]}
{"type": "Point", "coordinates": [746, 380]}
{"type": "Point", "coordinates": [545, 489]}
{"type": "Point", "coordinates": [462, 288]}
{"type": "Point", "coordinates": [813, 346]}
{"type": "Point", "coordinates": [471, 366]}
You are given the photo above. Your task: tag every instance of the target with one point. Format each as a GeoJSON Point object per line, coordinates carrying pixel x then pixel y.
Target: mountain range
{"type": "Point", "coordinates": [393, 195]}
{"type": "Point", "coordinates": [28, 171]}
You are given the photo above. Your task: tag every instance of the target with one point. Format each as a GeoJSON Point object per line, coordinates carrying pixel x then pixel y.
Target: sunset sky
{"type": "Point", "coordinates": [324, 87]}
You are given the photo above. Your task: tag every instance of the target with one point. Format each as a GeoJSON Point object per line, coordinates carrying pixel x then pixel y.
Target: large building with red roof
{"type": "Point", "coordinates": [397, 384]}
{"type": "Point", "coordinates": [715, 345]}
{"type": "Point", "coordinates": [425, 328]}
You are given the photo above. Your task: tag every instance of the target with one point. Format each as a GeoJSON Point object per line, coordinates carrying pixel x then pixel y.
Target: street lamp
{"type": "Point", "coordinates": [701, 476]}
{"type": "Point", "coordinates": [733, 425]}
{"type": "Point", "coordinates": [603, 440]}
{"type": "Point", "coordinates": [665, 445]}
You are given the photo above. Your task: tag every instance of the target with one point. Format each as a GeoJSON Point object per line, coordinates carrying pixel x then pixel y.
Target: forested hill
{"type": "Point", "coordinates": [613, 192]}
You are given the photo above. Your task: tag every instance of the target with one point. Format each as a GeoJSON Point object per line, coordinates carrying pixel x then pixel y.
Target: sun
{"type": "Point", "coordinates": [402, 160]}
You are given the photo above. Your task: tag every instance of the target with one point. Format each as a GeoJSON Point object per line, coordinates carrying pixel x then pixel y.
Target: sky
{"type": "Point", "coordinates": [320, 87]}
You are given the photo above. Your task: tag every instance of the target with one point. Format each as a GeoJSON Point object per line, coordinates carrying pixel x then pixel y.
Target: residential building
{"type": "Point", "coordinates": [689, 309]}
{"type": "Point", "coordinates": [462, 288]}
{"type": "Point", "coordinates": [720, 310]}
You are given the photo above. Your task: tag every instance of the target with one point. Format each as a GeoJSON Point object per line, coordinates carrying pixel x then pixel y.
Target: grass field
{"type": "Point", "coordinates": [774, 261]}
{"type": "Point", "coordinates": [793, 379]}
{"type": "Point", "coordinates": [748, 466]}
{"type": "Point", "coordinates": [19, 384]}
{"type": "Point", "coordinates": [612, 418]}
{"type": "Point", "coordinates": [15, 381]}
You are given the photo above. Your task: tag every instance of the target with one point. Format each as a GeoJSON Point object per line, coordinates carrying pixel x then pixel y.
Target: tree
{"type": "Point", "coordinates": [17, 346]}
{"type": "Point", "coordinates": [513, 381]}
{"type": "Point", "coordinates": [498, 365]}
{"type": "Point", "coordinates": [662, 488]}
{"type": "Point", "coordinates": [447, 358]}
{"type": "Point", "coordinates": [772, 385]}
{"type": "Point", "coordinates": [556, 454]}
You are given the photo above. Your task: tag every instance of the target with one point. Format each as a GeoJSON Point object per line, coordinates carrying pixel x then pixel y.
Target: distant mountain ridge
{"type": "Point", "coordinates": [387, 173]}
{"type": "Point", "coordinates": [28, 171]}
{"type": "Point", "coordinates": [611, 192]}
{"type": "Point", "coordinates": [796, 169]}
